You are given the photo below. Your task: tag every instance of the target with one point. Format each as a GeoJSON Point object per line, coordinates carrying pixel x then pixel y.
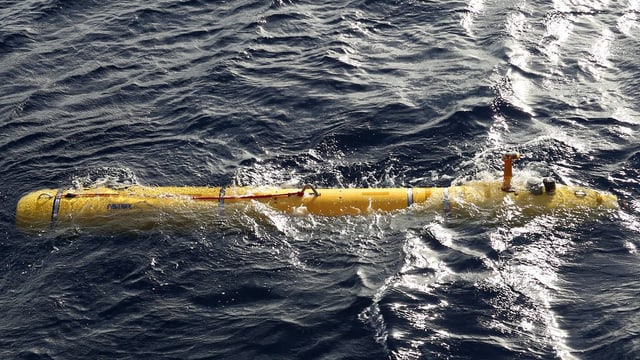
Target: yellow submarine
{"type": "Point", "coordinates": [46, 209]}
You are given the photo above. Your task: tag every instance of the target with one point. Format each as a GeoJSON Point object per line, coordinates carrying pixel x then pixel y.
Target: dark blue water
{"type": "Point", "coordinates": [338, 94]}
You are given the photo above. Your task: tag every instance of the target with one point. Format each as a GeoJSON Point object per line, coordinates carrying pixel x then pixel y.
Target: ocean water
{"type": "Point", "coordinates": [338, 94]}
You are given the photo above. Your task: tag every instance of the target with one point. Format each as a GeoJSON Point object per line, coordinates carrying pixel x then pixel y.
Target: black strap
{"type": "Point", "coordinates": [221, 197]}
{"type": "Point", "coordinates": [56, 208]}
{"type": "Point", "coordinates": [446, 201]}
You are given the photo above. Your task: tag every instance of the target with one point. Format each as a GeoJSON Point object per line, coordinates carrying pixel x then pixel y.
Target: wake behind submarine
{"type": "Point", "coordinates": [141, 207]}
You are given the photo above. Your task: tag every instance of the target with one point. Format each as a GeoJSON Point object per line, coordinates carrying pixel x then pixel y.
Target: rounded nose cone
{"type": "Point", "coordinates": [33, 212]}
{"type": "Point", "coordinates": [610, 201]}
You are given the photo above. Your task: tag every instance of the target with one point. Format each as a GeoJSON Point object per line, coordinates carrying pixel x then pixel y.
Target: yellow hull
{"type": "Point", "coordinates": [140, 207]}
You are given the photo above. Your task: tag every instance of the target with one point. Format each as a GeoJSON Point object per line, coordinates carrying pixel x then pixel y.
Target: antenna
{"type": "Point", "coordinates": [508, 172]}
